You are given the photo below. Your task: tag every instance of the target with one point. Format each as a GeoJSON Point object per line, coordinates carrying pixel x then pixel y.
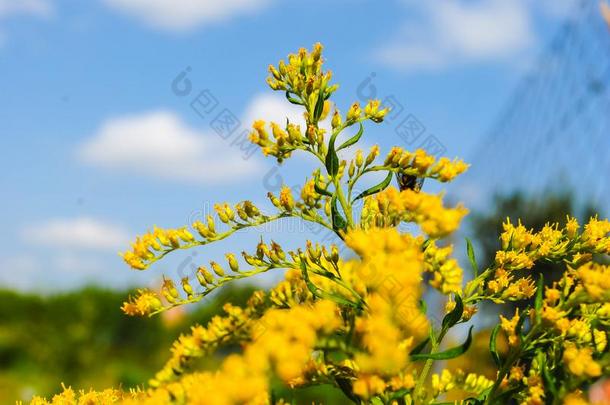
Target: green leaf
{"type": "Point", "coordinates": [447, 354]}
{"type": "Point", "coordinates": [292, 99]}
{"type": "Point", "coordinates": [375, 189]}
{"type": "Point", "coordinates": [339, 223]}
{"type": "Point", "coordinates": [471, 257]}
{"type": "Point", "coordinates": [317, 112]}
{"type": "Point", "coordinates": [504, 397]}
{"type": "Point", "coordinates": [549, 380]}
{"type": "Point", "coordinates": [320, 293]}
{"type": "Point", "coordinates": [417, 349]}
{"type": "Point", "coordinates": [455, 315]}
{"type": "Point", "coordinates": [492, 345]}
{"type": "Point", "coordinates": [332, 160]}
{"type": "Point", "coordinates": [319, 189]}
{"type": "Point", "coordinates": [353, 139]}
{"type": "Point", "coordinates": [539, 297]}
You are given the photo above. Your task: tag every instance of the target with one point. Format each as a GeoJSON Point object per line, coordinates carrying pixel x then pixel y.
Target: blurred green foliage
{"type": "Point", "coordinates": [83, 339]}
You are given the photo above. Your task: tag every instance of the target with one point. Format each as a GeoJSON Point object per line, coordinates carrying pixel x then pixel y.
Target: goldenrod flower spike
{"type": "Point", "coordinates": [358, 321]}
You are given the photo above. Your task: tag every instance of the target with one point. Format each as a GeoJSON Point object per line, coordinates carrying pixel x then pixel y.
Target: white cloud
{"type": "Point", "coordinates": [159, 144]}
{"type": "Point", "coordinates": [178, 15]}
{"type": "Point", "coordinates": [41, 8]}
{"type": "Point", "coordinates": [448, 32]}
{"type": "Point", "coordinates": [13, 8]}
{"type": "Point", "coordinates": [272, 107]}
{"type": "Point", "coordinates": [77, 233]}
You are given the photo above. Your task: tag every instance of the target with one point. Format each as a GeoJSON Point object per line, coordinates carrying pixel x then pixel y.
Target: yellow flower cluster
{"type": "Point", "coordinates": [284, 345]}
{"type": "Point", "coordinates": [446, 272]}
{"type": "Point", "coordinates": [447, 381]}
{"type": "Point", "coordinates": [204, 340]}
{"type": "Point", "coordinates": [152, 246]}
{"type": "Point", "coordinates": [287, 139]}
{"type": "Point", "coordinates": [302, 75]}
{"type": "Point", "coordinates": [505, 286]}
{"type": "Point", "coordinates": [422, 164]}
{"type": "Point", "coordinates": [509, 326]}
{"type": "Point", "coordinates": [580, 361]}
{"type": "Point", "coordinates": [595, 280]}
{"type": "Point", "coordinates": [82, 397]}
{"type": "Point", "coordinates": [390, 207]}
{"type": "Point", "coordinates": [390, 272]}
{"type": "Point", "coordinates": [142, 250]}
{"type": "Point", "coordinates": [522, 247]}
{"type": "Point", "coordinates": [144, 303]}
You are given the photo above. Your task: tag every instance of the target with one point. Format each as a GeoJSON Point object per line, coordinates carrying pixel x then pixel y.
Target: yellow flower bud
{"type": "Point", "coordinates": [274, 72]}
{"type": "Point", "coordinates": [211, 224]}
{"type": "Point", "coordinates": [241, 213]}
{"type": "Point", "coordinates": [217, 269]}
{"type": "Point", "coordinates": [354, 112]}
{"type": "Point", "coordinates": [262, 250]}
{"type": "Point", "coordinates": [325, 110]}
{"type": "Point", "coordinates": [286, 199]}
{"type": "Point", "coordinates": [336, 121]}
{"type": "Point", "coordinates": [250, 259]}
{"type": "Point", "coordinates": [274, 200]}
{"type": "Point", "coordinates": [232, 262]}
{"type": "Point", "coordinates": [294, 133]}
{"type": "Point", "coordinates": [251, 209]}
{"type": "Point", "coordinates": [220, 211]}
{"type": "Point", "coordinates": [169, 290]}
{"type": "Point", "coordinates": [359, 158]}
{"type": "Point", "coordinates": [334, 253]}
{"type": "Point", "coordinates": [372, 155]}
{"type": "Point", "coordinates": [204, 276]}
{"type": "Point", "coordinates": [186, 287]}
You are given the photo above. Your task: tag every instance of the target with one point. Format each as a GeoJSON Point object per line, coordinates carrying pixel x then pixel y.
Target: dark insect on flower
{"type": "Point", "coordinates": [409, 181]}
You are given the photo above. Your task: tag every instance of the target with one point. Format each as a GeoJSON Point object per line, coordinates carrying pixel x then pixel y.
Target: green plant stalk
{"type": "Point", "coordinates": [435, 343]}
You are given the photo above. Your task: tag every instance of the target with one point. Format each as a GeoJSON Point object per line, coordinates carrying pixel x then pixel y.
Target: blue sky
{"type": "Point", "coordinates": [96, 147]}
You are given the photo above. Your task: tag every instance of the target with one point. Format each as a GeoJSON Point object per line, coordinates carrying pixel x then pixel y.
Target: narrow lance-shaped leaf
{"type": "Point", "coordinates": [471, 257]}
{"type": "Point", "coordinates": [353, 139]}
{"type": "Point", "coordinates": [447, 354]}
{"type": "Point", "coordinates": [455, 315]}
{"type": "Point", "coordinates": [339, 223]}
{"type": "Point", "coordinates": [292, 99]}
{"type": "Point", "coordinates": [318, 292]}
{"type": "Point", "coordinates": [549, 380]}
{"type": "Point", "coordinates": [421, 346]}
{"type": "Point", "coordinates": [332, 160]}
{"type": "Point", "coordinates": [375, 189]}
{"type": "Point", "coordinates": [493, 345]}
{"type": "Point", "coordinates": [539, 297]}
{"type": "Point", "coordinates": [319, 106]}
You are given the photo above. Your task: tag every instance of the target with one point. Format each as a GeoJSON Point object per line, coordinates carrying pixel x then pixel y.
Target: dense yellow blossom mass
{"type": "Point", "coordinates": [359, 320]}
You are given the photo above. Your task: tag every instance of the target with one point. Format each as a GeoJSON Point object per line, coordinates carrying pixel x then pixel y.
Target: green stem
{"type": "Point", "coordinates": [222, 281]}
{"type": "Point", "coordinates": [513, 356]}
{"type": "Point", "coordinates": [435, 343]}
{"type": "Point", "coordinates": [347, 209]}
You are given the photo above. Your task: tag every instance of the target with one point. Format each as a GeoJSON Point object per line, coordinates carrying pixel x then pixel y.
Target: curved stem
{"type": "Point", "coordinates": [221, 282]}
